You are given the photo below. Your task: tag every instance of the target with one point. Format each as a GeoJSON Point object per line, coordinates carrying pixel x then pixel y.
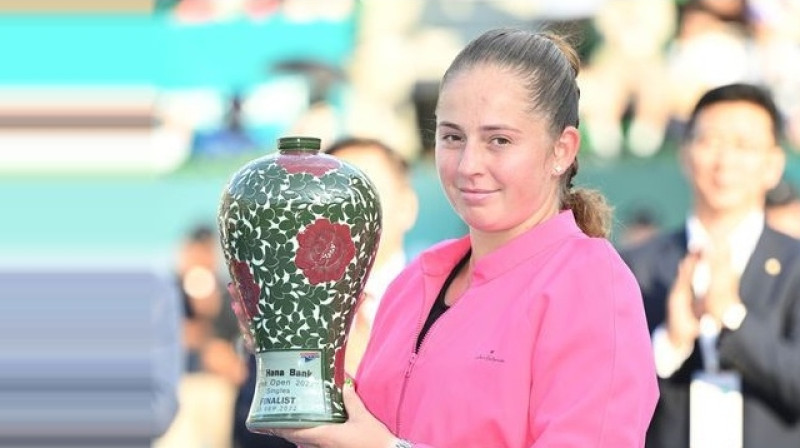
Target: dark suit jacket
{"type": "Point", "coordinates": [765, 350]}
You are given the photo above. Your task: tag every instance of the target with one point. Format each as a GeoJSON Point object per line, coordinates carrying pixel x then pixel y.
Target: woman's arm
{"type": "Point", "coordinates": [594, 382]}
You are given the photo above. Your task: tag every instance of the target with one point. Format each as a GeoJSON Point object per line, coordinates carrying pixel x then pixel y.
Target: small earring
{"type": "Point", "coordinates": [557, 169]}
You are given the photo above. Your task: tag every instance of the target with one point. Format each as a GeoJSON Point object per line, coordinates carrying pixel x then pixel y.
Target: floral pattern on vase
{"type": "Point", "coordinates": [325, 249]}
{"type": "Point", "coordinates": [250, 293]}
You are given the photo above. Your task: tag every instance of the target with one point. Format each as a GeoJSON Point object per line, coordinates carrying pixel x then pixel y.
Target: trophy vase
{"type": "Point", "coordinates": [299, 231]}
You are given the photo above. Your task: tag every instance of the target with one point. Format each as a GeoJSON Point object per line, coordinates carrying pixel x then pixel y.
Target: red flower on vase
{"type": "Point", "coordinates": [338, 367]}
{"type": "Point", "coordinates": [248, 289]}
{"type": "Point", "coordinates": [315, 165]}
{"type": "Point", "coordinates": [325, 251]}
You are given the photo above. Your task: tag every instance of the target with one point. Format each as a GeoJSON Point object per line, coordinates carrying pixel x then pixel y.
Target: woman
{"type": "Point", "coordinates": [530, 331]}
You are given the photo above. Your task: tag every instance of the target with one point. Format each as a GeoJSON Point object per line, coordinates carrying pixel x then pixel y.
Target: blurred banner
{"type": "Point", "coordinates": [77, 6]}
{"type": "Point", "coordinates": [89, 355]}
{"type": "Point", "coordinates": [99, 130]}
{"type": "Point", "coordinates": [117, 131]}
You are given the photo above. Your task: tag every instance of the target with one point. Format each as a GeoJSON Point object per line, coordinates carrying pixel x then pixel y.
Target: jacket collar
{"type": "Point", "coordinates": [441, 259]}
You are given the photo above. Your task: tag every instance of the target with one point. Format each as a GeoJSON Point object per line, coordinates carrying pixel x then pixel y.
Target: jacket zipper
{"type": "Point", "coordinates": [415, 355]}
{"type": "Point", "coordinates": [412, 361]}
{"type": "Point", "coordinates": [407, 374]}
{"type": "Point", "coordinates": [410, 366]}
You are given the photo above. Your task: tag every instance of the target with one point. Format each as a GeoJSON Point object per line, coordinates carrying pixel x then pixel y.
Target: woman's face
{"type": "Point", "coordinates": [496, 159]}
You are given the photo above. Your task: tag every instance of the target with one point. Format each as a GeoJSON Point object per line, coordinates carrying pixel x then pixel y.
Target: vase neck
{"type": "Point", "coordinates": [298, 145]}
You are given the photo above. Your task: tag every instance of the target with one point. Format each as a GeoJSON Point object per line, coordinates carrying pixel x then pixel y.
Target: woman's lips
{"type": "Point", "coordinates": [474, 195]}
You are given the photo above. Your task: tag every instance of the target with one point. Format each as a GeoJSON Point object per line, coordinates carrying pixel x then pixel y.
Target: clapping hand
{"type": "Point", "coordinates": [723, 289]}
{"type": "Point", "coordinates": [683, 312]}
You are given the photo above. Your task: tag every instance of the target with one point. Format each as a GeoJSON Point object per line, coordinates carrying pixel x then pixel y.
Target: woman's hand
{"type": "Point", "coordinates": [361, 430]}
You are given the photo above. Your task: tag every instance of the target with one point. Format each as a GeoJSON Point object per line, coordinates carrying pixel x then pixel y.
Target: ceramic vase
{"type": "Point", "coordinates": [299, 231]}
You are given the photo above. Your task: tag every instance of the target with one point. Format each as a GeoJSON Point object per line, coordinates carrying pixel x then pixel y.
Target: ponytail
{"type": "Point", "coordinates": [592, 211]}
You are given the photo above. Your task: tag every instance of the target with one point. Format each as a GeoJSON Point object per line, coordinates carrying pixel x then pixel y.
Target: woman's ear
{"type": "Point", "coordinates": [566, 147]}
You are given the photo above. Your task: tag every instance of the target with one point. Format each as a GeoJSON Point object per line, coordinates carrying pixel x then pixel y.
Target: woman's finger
{"type": "Point", "coordinates": [352, 402]}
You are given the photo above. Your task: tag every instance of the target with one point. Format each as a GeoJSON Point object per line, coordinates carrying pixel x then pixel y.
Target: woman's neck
{"type": "Point", "coordinates": [461, 281]}
{"type": "Point", "coordinates": [484, 243]}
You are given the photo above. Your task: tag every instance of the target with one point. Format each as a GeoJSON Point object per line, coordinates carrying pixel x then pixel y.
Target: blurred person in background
{"type": "Point", "coordinates": [783, 208]}
{"type": "Point", "coordinates": [628, 71]}
{"type": "Point", "coordinates": [391, 53]}
{"type": "Point", "coordinates": [775, 29]}
{"type": "Point", "coordinates": [722, 294]}
{"type": "Point", "coordinates": [529, 331]}
{"type": "Point", "coordinates": [389, 172]}
{"type": "Point", "coordinates": [321, 116]}
{"type": "Point", "coordinates": [708, 30]}
{"type": "Point", "coordinates": [231, 138]}
{"type": "Point", "coordinates": [640, 225]}
{"type": "Point", "coordinates": [213, 368]}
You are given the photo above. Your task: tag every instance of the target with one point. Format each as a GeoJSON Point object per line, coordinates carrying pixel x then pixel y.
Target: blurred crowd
{"type": "Point", "coordinates": [644, 65]}
{"type": "Point", "coordinates": [655, 58]}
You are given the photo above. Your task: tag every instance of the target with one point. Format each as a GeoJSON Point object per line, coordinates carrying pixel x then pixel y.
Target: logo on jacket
{"type": "Point", "coordinates": [490, 356]}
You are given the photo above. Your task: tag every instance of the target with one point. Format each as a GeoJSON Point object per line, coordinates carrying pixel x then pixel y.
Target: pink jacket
{"type": "Point", "coordinates": [548, 348]}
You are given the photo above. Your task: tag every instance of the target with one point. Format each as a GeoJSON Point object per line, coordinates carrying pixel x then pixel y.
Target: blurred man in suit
{"type": "Point", "coordinates": [783, 208]}
{"type": "Point", "coordinates": [722, 294]}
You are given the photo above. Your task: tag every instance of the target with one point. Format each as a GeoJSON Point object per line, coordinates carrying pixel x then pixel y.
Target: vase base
{"type": "Point", "coordinates": [265, 426]}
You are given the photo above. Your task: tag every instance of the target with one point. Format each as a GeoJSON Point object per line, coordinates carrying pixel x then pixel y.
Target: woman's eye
{"type": "Point", "coordinates": [450, 138]}
{"type": "Point", "coordinates": [501, 141]}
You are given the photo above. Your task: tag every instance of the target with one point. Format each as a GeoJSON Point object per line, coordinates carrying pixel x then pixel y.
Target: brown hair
{"type": "Point", "coordinates": [548, 65]}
